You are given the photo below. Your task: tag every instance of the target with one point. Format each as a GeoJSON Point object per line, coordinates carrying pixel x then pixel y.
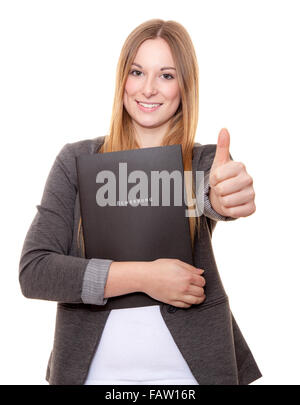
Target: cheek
{"type": "Point", "coordinates": [130, 86]}
{"type": "Point", "coordinates": [174, 92]}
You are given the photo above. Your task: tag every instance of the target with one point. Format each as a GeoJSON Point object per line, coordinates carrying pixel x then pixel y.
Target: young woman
{"type": "Point", "coordinates": [192, 337]}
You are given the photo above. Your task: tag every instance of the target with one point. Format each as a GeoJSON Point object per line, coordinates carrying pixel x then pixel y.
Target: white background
{"type": "Point", "coordinates": [57, 78]}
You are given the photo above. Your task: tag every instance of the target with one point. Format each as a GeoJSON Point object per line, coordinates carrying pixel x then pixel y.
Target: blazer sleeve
{"type": "Point", "coordinates": [46, 270]}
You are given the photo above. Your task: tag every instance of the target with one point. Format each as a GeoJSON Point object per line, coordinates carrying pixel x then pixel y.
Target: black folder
{"type": "Point", "coordinates": [138, 223]}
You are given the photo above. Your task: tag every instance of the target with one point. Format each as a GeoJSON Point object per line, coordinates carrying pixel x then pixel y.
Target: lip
{"type": "Point", "coordinates": [147, 109]}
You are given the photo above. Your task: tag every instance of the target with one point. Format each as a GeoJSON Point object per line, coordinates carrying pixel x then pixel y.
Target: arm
{"type": "Point", "coordinates": [46, 270]}
{"type": "Point", "coordinates": [102, 281]}
{"type": "Point", "coordinates": [125, 278]}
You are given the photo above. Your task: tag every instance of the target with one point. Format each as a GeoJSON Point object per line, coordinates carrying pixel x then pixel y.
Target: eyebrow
{"type": "Point", "coordinates": [163, 68]}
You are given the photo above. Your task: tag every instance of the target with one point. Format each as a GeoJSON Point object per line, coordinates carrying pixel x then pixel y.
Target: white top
{"type": "Point", "coordinates": [136, 347]}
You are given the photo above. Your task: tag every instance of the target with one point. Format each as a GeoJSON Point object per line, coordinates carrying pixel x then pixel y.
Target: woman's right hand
{"type": "Point", "coordinates": [174, 282]}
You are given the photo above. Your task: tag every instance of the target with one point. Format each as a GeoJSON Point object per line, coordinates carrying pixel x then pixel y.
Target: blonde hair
{"type": "Point", "coordinates": [183, 125]}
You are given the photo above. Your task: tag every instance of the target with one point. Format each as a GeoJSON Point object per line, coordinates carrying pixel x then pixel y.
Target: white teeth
{"type": "Point", "coordinates": [149, 105]}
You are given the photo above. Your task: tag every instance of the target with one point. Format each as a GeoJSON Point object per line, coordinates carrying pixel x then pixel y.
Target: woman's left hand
{"type": "Point", "coordinates": [231, 193]}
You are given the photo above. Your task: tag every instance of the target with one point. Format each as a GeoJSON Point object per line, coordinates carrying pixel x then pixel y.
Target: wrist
{"type": "Point", "coordinates": [214, 202]}
{"type": "Point", "coordinates": [141, 275]}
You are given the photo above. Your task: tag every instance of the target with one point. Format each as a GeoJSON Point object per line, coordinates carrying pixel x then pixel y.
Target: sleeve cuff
{"type": "Point", "coordinates": [94, 281]}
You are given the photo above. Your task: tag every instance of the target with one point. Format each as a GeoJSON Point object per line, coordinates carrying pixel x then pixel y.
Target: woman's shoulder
{"type": "Point", "coordinates": [88, 145]}
{"type": "Point", "coordinates": [66, 157]}
{"type": "Point", "coordinates": [204, 154]}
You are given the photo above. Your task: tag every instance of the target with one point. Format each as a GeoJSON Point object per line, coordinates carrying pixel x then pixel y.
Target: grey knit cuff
{"type": "Point", "coordinates": [208, 210]}
{"type": "Point", "coordinates": [94, 281]}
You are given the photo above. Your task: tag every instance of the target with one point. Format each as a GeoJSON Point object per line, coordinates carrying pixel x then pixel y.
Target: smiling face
{"type": "Point", "coordinates": [152, 80]}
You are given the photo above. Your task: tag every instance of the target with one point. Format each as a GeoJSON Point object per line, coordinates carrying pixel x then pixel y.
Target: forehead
{"type": "Point", "coordinates": [154, 52]}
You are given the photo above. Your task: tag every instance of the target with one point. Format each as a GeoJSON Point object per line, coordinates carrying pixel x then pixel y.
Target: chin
{"type": "Point", "coordinates": [148, 124]}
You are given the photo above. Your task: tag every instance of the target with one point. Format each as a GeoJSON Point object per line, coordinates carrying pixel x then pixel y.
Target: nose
{"type": "Point", "coordinates": [149, 87]}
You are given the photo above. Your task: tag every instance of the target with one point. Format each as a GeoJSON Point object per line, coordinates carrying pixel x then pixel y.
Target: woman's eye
{"type": "Point", "coordinates": [134, 71]}
{"type": "Point", "coordinates": [165, 74]}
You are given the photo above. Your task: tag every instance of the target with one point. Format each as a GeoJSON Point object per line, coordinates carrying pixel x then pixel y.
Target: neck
{"type": "Point", "coordinates": [150, 137]}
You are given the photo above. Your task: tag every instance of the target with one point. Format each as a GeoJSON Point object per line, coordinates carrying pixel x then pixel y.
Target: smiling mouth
{"type": "Point", "coordinates": [148, 105]}
{"type": "Point", "coordinates": [148, 108]}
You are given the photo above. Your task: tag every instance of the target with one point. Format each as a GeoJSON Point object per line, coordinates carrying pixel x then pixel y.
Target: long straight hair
{"type": "Point", "coordinates": [183, 124]}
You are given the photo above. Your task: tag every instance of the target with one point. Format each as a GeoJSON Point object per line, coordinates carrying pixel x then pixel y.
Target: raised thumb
{"type": "Point", "coordinates": [222, 152]}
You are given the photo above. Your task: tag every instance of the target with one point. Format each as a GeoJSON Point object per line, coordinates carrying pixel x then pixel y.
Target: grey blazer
{"type": "Point", "coordinates": [52, 268]}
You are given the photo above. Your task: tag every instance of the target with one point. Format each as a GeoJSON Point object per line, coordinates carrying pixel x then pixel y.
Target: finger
{"type": "Point", "coordinates": [233, 185]}
{"type": "Point", "coordinates": [222, 151]}
{"type": "Point", "coordinates": [198, 280]}
{"type": "Point", "coordinates": [195, 290]}
{"type": "Point", "coordinates": [181, 304]}
{"type": "Point", "coordinates": [227, 171]}
{"type": "Point", "coordinates": [243, 210]}
{"type": "Point", "coordinates": [191, 267]}
{"type": "Point", "coordinates": [194, 300]}
{"type": "Point", "coordinates": [239, 198]}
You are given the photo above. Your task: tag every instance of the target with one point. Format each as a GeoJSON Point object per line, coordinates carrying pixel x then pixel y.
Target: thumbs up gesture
{"type": "Point", "coordinates": [231, 193]}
